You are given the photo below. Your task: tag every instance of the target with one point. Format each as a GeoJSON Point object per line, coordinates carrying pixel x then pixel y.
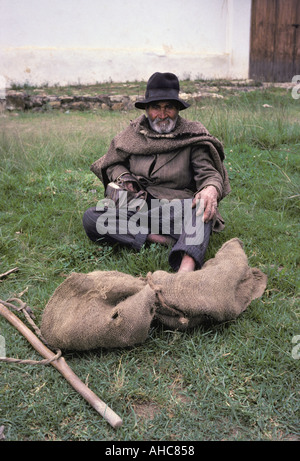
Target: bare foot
{"type": "Point", "coordinates": [162, 239]}
{"type": "Point", "coordinates": [187, 264]}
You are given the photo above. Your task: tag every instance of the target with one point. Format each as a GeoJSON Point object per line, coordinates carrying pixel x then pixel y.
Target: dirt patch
{"type": "Point", "coordinates": [146, 410]}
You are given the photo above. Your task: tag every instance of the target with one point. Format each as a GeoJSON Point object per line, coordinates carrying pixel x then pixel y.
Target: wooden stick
{"type": "Point", "coordinates": [9, 272]}
{"type": "Point", "coordinates": [60, 364]}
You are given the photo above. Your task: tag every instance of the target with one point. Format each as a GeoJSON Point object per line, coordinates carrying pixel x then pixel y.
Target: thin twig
{"type": "Point", "coordinates": [5, 274]}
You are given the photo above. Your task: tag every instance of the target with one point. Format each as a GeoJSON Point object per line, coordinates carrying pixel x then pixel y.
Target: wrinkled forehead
{"type": "Point", "coordinates": [168, 103]}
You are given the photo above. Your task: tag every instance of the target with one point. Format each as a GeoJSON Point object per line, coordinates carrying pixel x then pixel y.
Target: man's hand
{"type": "Point", "coordinates": [130, 186]}
{"type": "Point", "coordinates": [209, 197]}
{"type": "Point", "coordinates": [127, 182]}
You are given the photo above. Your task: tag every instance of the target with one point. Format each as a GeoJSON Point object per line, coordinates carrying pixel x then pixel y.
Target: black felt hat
{"type": "Point", "coordinates": [162, 87]}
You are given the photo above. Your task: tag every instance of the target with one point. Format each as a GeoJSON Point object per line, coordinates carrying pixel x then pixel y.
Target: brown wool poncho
{"type": "Point", "coordinates": [139, 139]}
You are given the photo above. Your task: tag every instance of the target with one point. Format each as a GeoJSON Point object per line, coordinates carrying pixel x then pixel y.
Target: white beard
{"type": "Point", "coordinates": [163, 126]}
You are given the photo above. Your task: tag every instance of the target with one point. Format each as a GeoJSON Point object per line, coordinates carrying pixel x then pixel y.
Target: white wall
{"type": "Point", "coordinates": [88, 41]}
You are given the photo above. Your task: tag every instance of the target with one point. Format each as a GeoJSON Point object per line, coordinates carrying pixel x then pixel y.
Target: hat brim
{"type": "Point", "coordinates": [144, 102]}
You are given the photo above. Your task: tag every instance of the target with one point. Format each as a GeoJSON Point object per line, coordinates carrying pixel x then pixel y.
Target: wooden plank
{"type": "Point", "coordinates": [296, 53]}
{"type": "Point", "coordinates": [275, 40]}
{"type": "Point", "coordinates": [285, 40]}
{"type": "Point", "coordinates": [263, 25]}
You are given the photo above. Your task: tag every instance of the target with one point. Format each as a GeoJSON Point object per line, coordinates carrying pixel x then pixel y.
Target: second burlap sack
{"type": "Point", "coordinates": [220, 291]}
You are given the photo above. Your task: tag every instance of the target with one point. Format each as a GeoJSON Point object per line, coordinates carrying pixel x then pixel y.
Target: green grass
{"type": "Point", "coordinates": [237, 381]}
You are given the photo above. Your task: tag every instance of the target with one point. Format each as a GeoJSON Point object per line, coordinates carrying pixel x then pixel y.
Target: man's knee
{"type": "Point", "coordinates": [89, 220]}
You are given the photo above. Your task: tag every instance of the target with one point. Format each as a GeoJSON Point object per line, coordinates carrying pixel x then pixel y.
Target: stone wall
{"type": "Point", "coordinates": [41, 101]}
{"type": "Point", "coordinates": [22, 101]}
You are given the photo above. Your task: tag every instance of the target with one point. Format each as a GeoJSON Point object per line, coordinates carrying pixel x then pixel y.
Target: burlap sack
{"type": "Point", "coordinates": [98, 309]}
{"type": "Point", "coordinates": [220, 291]}
{"type": "Point", "coordinates": [113, 309]}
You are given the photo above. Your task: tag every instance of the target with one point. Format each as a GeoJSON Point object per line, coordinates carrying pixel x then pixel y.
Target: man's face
{"type": "Point", "coordinates": [162, 116]}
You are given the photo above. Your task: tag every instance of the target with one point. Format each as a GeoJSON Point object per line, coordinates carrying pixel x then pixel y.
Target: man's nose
{"type": "Point", "coordinates": [162, 113]}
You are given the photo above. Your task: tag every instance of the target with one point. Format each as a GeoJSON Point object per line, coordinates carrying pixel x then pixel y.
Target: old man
{"type": "Point", "coordinates": [164, 178]}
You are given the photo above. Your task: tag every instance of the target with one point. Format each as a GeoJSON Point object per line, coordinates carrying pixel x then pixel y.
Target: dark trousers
{"type": "Point", "coordinates": [128, 227]}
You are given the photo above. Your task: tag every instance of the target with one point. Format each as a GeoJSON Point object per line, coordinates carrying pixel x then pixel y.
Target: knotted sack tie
{"type": "Point", "coordinates": [162, 302]}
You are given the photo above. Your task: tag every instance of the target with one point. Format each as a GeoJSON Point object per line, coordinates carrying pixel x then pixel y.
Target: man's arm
{"type": "Point", "coordinates": [121, 175]}
{"type": "Point", "coordinates": [209, 183]}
